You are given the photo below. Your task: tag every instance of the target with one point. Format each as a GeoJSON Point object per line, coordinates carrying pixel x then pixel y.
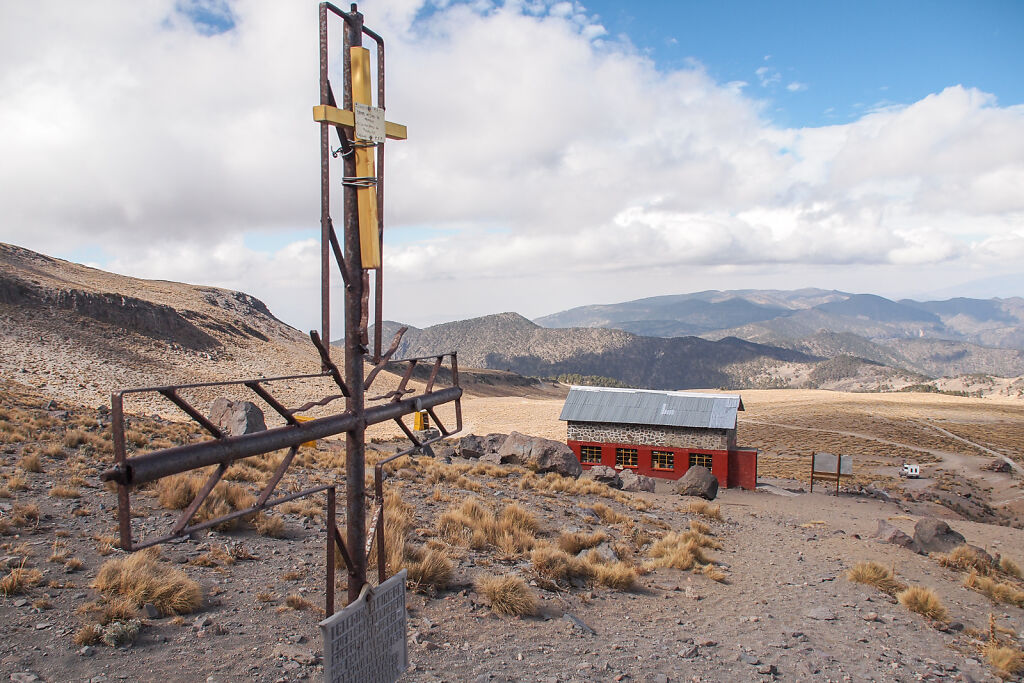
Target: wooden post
{"type": "Point", "coordinates": [812, 472]}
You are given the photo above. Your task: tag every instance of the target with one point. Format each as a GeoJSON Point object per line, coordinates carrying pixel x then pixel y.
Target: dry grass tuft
{"type": "Point", "coordinates": [877, 575]}
{"type": "Point", "coordinates": [613, 574]}
{"type": "Point", "coordinates": [607, 515]}
{"type": "Point", "coordinates": [680, 551]}
{"type": "Point", "coordinates": [31, 463]}
{"type": "Point", "coordinates": [90, 634]}
{"type": "Point", "coordinates": [924, 601]}
{"type": "Point", "coordinates": [62, 491]}
{"type": "Point", "coordinates": [1007, 661]}
{"type": "Point", "coordinates": [997, 591]}
{"type": "Point", "coordinates": [17, 482]}
{"type": "Point", "coordinates": [1009, 567]}
{"type": "Point", "coordinates": [297, 602]}
{"type": "Point", "coordinates": [554, 564]}
{"type": "Point", "coordinates": [142, 578]}
{"type": "Point", "coordinates": [699, 527]}
{"type": "Point", "coordinates": [576, 541]}
{"type": "Point", "coordinates": [705, 509]}
{"type": "Point", "coordinates": [269, 525]}
{"type": "Point", "coordinates": [714, 573]}
{"type": "Point", "coordinates": [507, 595]}
{"type": "Point", "coordinates": [474, 525]}
{"type": "Point", "coordinates": [431, 568]}
{"type": "Point", "coordinates": [19, 580]}
{"type": "Point", "coordinates": [516, 517]}
{"type": "Point", "coordinates": [965, 557]}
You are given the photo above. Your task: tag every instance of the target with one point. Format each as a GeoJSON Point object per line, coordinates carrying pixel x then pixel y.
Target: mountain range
{"type": "Point", "coordinates": [935, 338]}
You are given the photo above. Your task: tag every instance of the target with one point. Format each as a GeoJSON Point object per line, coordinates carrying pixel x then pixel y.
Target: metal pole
{"type": "Point", "coordinates": [355, 453]}
{"type": "Point", "coordinates": [325, 191]}
{"type": "Point", "coordinates": [330, 551]}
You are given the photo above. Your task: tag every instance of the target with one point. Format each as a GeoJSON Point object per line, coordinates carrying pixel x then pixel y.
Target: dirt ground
{"type": "Point", "coordinates": [785, 609]}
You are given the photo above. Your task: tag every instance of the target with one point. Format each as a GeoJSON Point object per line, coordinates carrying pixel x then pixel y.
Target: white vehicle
{"type": "Point", "coordinates": [911, 471]}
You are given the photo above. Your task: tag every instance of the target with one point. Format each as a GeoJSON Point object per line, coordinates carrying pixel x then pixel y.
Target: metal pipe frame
{"type": "Point", "coordinates": [223, 450]}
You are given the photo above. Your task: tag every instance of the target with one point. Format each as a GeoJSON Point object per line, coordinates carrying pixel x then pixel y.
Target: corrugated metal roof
{"type": "Point", "coordinates": [647, 407]}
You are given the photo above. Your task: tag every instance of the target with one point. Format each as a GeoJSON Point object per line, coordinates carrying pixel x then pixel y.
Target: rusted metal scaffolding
{"type": "Point", "coordinates": [222, 450]}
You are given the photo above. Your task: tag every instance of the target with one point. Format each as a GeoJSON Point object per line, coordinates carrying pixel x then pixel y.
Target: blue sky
{"type": "Point", "coordinates": [560, 153]}
{"type": "Point", "coordinates": [849, 57]}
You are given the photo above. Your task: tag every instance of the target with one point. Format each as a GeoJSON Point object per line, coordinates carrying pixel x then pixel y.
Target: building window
{"type": "Point", "coordinates": [590, 455]}
{"type": "Point", "coordinates": [625, 457]}
{"type": "Point", "coordinates": [702, 459]}
{"type": "Point", "coordinates": [663, 460]}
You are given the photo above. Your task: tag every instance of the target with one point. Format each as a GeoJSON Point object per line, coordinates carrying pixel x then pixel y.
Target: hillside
{"type": "Point", "coordinates": [508, 341]}
{"type": "Point", "coordinates": [75, 331]}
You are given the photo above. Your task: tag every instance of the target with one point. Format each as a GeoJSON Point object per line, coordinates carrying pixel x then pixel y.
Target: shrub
{"type": "Point", "coordinates": [877, 575]}
{"type": "Point", "coordinates": [1007, 661]}
{"type": "Point", "coordinates": [965, 557]}
{"type": "Point", "coordinates": [705, 509]}
{"type": "Point", "coordinates": [19, 580]}
{"type": "Point", "coordinates": [431, 568]}
{"type": "Point", "coordinates": [607, 515]}
{"type": "Point", "coordinates": [924, 601]}
{"type": "Point", "coordinates": [997, 591]}
{"type": "Point", "coordinates": [507, 594]}
{"type": "Point", "coordinates": [576, 541]}
{"type": "Point", "coordinates": [31, 463]}
{"type": "Point", "coordinates": [142, 578]}
{"type": "Point", "coordinates": [269, 525]}
{"type": "Point", "coordinates": [1008, 566]}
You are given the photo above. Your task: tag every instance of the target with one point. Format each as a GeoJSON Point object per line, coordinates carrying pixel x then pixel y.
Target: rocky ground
{"type": "Point", "coordinates": [783, 608]}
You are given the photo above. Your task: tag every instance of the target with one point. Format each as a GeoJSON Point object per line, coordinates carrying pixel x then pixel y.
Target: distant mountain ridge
{"type": "Point", "coordinates": [936, 338]}
{"type": "Point", "coordinates": [508, 341]}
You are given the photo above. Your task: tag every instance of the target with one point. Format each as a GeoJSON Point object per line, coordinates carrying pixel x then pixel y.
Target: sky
{"type": "Point", "coordinates": [559, 153]}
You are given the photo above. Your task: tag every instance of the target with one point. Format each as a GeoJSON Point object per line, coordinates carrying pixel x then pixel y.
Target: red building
{"type": "Point", "coordinates": [659, 433]}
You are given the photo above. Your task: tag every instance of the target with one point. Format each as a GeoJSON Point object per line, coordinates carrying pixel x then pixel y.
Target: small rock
{"type": "Point", "coordinates": [821, 614]}
{"type": "Point", "coordinates": [768, 669]}
{"type": "Point", "coordinates": [748, 658]}
{"type": "Point", "coordinates": [870, 616]}
{"type": "Point", "coordinates": [150, 611]}
{"type": "Point", "coordinates": [689, 652]}
{"type": "Point", "coordinates": [24, 677]}
{"type": "Point", "coordinates": [20, 602]}
{"type": "Point", "coordinates": [87, 651]}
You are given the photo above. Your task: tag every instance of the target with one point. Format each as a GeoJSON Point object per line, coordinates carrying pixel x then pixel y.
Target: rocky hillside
{"type": "Point", "coordinates": [77, 331]}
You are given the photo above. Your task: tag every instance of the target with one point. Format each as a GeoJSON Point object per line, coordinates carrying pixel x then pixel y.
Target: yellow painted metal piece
{"type": "Point", "coordinates": [369, 226]}
{"type": "Point", "coordinates": [303, 418]}
{"type": "Point", "coordinates": [343, 117]}
{"type": "Point", "coordinates": [420, 421]}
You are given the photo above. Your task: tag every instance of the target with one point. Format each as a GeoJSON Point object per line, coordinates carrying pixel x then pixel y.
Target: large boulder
{"type": "Point", "coordinates": [603, 474]}
{"type": "Point", "coordinates": [237, 417]}
{"type": "Point", "coordinates": [540, 455]}
{"type": "Point", "coordinates": [472, 446]}
{"type": "Point", "coordinates": [887, 533]}
{"type": "Point", "coordinates": [934, 536]}
{"type": "Point", "coordinates": [631, 481]}
{"type": "Point", "coordinates": [698, 481]}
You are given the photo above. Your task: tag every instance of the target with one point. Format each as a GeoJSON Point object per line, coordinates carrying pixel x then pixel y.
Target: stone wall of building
{"type": "Point", "coordinates": [653, 435]}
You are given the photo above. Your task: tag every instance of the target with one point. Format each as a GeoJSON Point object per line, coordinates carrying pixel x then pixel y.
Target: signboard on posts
{"type": "Point", "coordinates": [830, 467]}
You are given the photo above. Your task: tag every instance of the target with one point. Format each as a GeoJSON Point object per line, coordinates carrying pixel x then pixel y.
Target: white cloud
{"type": "Point", "coordinates": [768, 76]}
{"type": "Point", "coordinates": [796, 86]}
{"type": "Point", "coordinates": [561, 165]}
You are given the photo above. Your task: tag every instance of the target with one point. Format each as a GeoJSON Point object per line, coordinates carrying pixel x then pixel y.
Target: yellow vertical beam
{"type": "Point", "coordinates": [366, 197]}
